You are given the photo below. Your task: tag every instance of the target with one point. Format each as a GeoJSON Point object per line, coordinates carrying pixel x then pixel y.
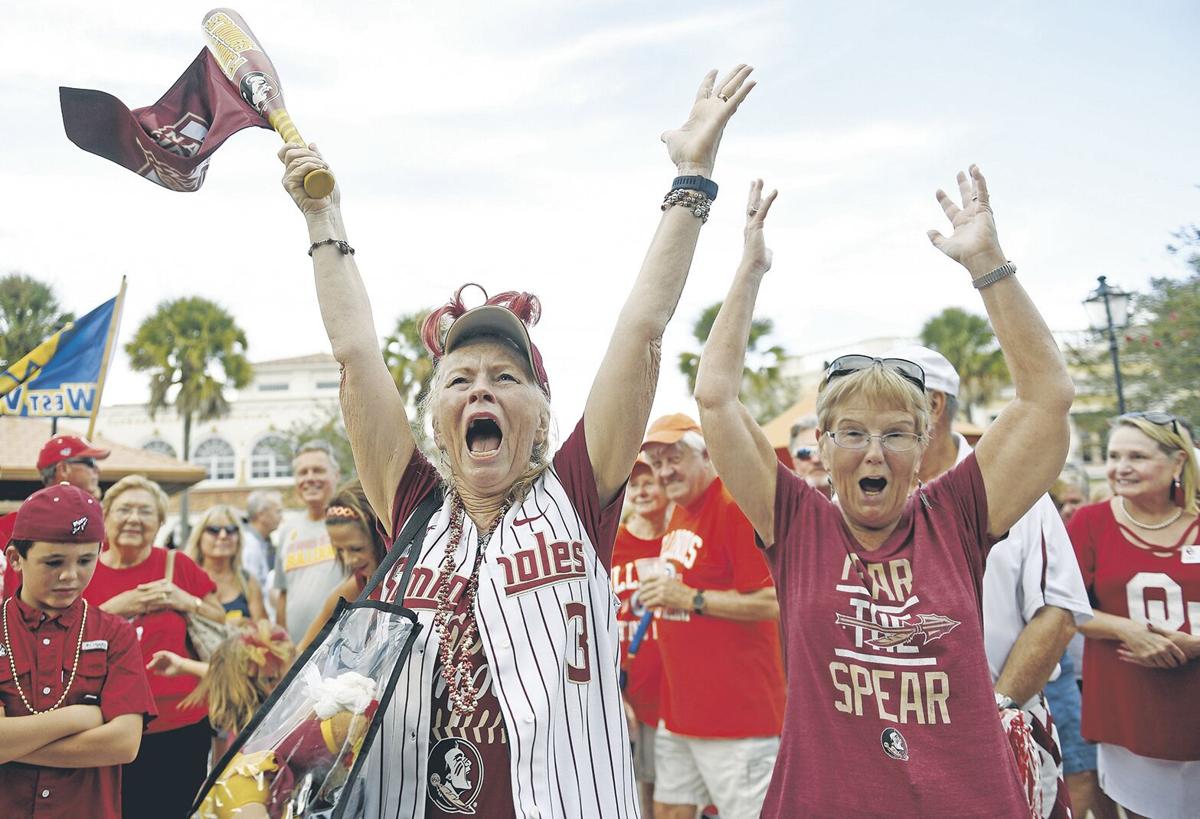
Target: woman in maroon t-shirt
{"type": "Point", "coordinates": [130, 582]}
{"type": "Point", "coordinates": [1141, 664]}
{"type": "Point", "coordinates": [890, 708]}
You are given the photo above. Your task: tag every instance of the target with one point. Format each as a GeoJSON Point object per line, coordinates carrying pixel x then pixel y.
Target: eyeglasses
{"type": "Point", "coordinates": [90, 463]}
{"type": "Point", "coordinates": [215, 531]}
{"type": "Point", "coordinates": [1158, 418]}
{"type": "Point", "coordinates": [891, 441]}
{"type": "Point", "coordinates": [846, 364]}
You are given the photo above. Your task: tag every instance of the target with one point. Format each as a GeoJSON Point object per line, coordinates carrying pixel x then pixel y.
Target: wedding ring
{"type": "Point", "coordinates": [751, 211]}
{"type": "Point", "coordinates": [722, 98]}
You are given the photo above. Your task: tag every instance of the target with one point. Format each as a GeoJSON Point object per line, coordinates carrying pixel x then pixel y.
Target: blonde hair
{"type": "Point", "coordinates": [242, 672]}
{"type": "Point", "coordinates": [194, 551]}
{"type": "Point", "coordinates": [878, 385]}
{"type": "Point", "coordinates": [539, 457]}
{"type": "Point", "coordinates": [1172, 438]}
{"type": "Point", "coordinates": [136, 482]}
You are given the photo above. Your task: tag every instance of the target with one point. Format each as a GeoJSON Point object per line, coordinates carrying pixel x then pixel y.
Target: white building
{"type": "Point", "coordinates": [245, 449]}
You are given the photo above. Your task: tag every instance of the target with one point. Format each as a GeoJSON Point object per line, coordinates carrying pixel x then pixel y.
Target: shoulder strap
{"type": "Point", "coordinates": [403, 544]}
{"type": "Point", "coordinates": [169, 574]}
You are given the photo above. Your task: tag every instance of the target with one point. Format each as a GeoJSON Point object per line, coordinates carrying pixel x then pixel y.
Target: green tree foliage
{"type": "Point", "coordinates": [327, 426]}
{"type": "Point", "coordinates": [410, 365]}
{"type": "Point", "coordinates": [967, 342]}
{"type": "Point", "coordinates": [766, 392]}
{"type": "Point", "coordinates": [29, 314]}
{"type": "Point", "coordinates": [193, 350]}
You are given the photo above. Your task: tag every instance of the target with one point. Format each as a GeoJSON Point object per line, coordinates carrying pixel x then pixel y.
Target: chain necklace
{"type": "Point", "coordinates": [13, 663]}
{"type": "Point", "coordinates": [456, 663]}
{"type": "Point", "coordinates": [1148, 526]}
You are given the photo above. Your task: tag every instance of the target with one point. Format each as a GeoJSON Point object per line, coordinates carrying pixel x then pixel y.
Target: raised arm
{"type": "Point", "coordinates": [623, 391]}
{"type": "Point", "coordinates": [376, 421]}
{"type": "Point", "coordinates": [737, 445]}
{"type": "Point", "coordinates": [1023, 451]}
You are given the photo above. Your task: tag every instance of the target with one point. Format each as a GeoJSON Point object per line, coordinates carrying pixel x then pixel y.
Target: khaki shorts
{"type": "Point", "coordinates": [643, 752]}
{"type": "Point", "coordinates": [732, 774]}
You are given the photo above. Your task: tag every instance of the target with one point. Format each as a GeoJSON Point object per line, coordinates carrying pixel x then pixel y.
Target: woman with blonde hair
{"type": "Point", "coordinates": [1141, 564]}
{"type": "Point", "coordinates": [215, 543]}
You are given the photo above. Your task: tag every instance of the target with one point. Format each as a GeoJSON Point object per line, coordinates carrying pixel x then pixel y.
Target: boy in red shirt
{"type": "Point", "coordinates": [72, 687]}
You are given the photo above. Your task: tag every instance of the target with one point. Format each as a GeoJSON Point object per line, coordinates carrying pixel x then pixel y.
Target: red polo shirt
{"type": "Point", "coordinates": [110, 667]}
{"type": "Point", "coordinates": [12, 578]}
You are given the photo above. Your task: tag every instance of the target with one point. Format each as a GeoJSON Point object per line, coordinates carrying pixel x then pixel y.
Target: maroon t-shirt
{"type": "Point", "coordinates": [890, 710]}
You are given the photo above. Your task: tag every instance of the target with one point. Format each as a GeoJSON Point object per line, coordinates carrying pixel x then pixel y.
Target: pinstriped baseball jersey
{"type": "Point", "coordinates": [547, 628]}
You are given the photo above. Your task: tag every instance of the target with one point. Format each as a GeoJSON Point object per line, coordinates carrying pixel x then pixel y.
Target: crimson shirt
{"type": "Point", "coordinates": [644, 671]}
{"type": "Point", "coordinates": [1151, 711]}
{"type": "Point", "coordinates": [159, 630]}
{"type": "Point", "coordinates": [12, 578]}
{"type": "Point", "coordinates": [722, 678]}
{"type": "Point", "coordinates": [110, 667]}
{"type": "Point", "coordinates": [890, 710]}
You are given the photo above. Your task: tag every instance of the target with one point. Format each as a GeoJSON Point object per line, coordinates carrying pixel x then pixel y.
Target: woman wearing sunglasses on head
{"type": "Point", "coordinates": [215, 543]}
{"type": "Point", "coordinates": [880, 593]}
{"type": "Point", "coordinates": [1140, 560]}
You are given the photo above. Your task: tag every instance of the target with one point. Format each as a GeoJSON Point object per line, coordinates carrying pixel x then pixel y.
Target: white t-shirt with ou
{"type": "Point", "coordinates": [306, 569]}
{"type": "Point", "coordinates": [1022, 576]}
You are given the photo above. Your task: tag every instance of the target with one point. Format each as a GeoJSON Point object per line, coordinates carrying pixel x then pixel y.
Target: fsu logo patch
{"type": "Point", "coordinates": [455, 775]}
{"type": "Point", "coordinates": [258, 89]}
{"type": "Point", "coordinates": [894, 744]}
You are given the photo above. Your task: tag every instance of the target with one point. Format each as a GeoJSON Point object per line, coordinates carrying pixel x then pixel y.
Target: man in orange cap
{"type": "Point", "coordinates": [63, 459]}
{"type": "Point", "coordinates": [717, 612]}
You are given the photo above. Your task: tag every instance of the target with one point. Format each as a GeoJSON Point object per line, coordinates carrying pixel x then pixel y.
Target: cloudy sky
{"type": "Point", "coordinates": [516, 144]}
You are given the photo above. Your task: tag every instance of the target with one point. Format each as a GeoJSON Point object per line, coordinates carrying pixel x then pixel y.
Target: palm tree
{"type": "Point", "coordinates": [29, 314]}
{"type": "Point", "coordinates": [193, 350]}
{"type": "Point", "coordinates": [967, 342]}
{"type": "Point", "coordinates": [410, 365]}
{"type": "Point", "coordinates": [765, 390]}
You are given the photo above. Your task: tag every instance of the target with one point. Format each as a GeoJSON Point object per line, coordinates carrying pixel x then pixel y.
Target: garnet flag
{"type": "Point", "coordinates": [169, 142]}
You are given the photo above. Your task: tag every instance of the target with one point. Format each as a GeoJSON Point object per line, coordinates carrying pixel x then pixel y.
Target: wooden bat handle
{"type": "Point", "coordinates": [319, 183]}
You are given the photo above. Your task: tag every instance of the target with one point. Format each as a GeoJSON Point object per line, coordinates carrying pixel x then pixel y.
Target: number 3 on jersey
{"type": "Point", "coordinates": [1153, 597]}
{"type": "Point", "coordinates": [575, 613]}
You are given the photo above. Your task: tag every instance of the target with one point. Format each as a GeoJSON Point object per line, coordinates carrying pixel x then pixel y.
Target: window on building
{"type": "Point", "coordinates": [216, 456]}
{"type": "Point", "coordinates": [271, 458]}
{"type": "Point", "coordinates": [272, 387]}
{"type": "Point", "coordinates": [328, 385]}
{"type": "Point", "coordinates": [161, 447]}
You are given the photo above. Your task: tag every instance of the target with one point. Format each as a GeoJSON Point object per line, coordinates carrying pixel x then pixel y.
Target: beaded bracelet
{"type": "Point", "coordinates": [693, 200]}
{"type": "Point", "coordinates": [342, 245]}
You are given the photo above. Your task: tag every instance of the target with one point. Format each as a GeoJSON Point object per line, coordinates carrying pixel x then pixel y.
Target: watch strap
{"type": "Point", "coordinates": [696, 183]}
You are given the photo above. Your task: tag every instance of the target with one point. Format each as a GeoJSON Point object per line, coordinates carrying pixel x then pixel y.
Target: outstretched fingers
{"type": "Point", "coordinates": [948, 206]}
{"type": "Point", "coordinates": [706, 85]}
{"type": "Point", "coordinates": [733, 80]}
{"type": "Point", "coordinates": [765, 208]}
{"type": "Point", "coordinates": [966, 190]}
{"type": "Point", "coordinates": [980, 186]}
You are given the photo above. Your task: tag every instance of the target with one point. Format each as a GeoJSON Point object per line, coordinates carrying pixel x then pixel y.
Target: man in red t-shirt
{"type": "Point", "coordinates": [63, 459]}
{"type": "Point", "coordinates": [723, 689]}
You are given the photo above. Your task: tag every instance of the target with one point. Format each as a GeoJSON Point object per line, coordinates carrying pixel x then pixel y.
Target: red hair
{"type": "Point", "coordinates": [524, 306]}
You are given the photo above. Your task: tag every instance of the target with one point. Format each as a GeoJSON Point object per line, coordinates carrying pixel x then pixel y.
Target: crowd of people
{"type": "Point", "coordinates": [656, 619]}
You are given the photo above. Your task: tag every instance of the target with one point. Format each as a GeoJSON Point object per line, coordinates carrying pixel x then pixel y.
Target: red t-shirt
{"type": "Point", "coordinates": [1151, 711]}
{"type": "Point", "coordinates": [644, 671]}
{"type": "Point", "coordinates": [721, 678]}
{"type": "Point", "coordinates": [898, 720]}
{"type": "Point", "coordinates": [12, 578]}
{"type": "Point", "coordinates": [110, 668]}
{"type": "Point", "coordinates": [160, 630]}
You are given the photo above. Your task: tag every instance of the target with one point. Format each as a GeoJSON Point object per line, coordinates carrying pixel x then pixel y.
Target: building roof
{"type": "Point", "coordinates": [21, 439]}
{"type": "Point", "coordinates": [315, 358]}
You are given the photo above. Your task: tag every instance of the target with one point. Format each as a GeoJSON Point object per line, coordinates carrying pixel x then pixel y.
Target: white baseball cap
{"type": "Point", "coordinates": [940, 374]}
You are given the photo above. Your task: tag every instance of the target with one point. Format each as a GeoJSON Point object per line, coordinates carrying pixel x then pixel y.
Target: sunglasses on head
{"type": "Point", "coordinates": [215, 531]}
{"type": "Point", "coordinates": [846, 364]}
{"type": "Point", "coordinates": [1157, 418]}
{"type": "Point", "coordinates": [88, 462]}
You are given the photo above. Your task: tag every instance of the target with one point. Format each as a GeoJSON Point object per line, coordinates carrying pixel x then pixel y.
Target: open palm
{"type": "Point", "coordinates": [693, 145]}
{"type": "Point", "coordinates": [973, 242]}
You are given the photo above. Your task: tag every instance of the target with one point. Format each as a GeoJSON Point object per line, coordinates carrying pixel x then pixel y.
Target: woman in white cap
{"type": "Point", "coordinates": [880, 594]}
{"type": "Point", "coordinates": [509, 705]}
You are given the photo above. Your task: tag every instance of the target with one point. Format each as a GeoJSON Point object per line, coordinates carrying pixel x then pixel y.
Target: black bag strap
{"type": "Point", "coordinates": [403, 544]}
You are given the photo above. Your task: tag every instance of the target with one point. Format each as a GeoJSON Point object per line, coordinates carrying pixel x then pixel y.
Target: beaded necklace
{"type": "Point", "coordinates": [456, 664]}
{"type": "Point", "coordinates": [13, 663]}
{"type": "Point", "coordinates": [1152, 527]}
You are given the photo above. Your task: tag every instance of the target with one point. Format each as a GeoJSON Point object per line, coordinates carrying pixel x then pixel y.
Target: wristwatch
{"type": "Point", "coordinates": [696, 183]}
{"type": "Point", "coordinates": [698, 602]}
{"type": "Point", "coordinates": [1004, 702]}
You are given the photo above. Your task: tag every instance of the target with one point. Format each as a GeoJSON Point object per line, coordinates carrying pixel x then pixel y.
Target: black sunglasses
{"type": "Point", "coordinates": [88, 462]}
{"type": "Point", "coordinates": [230, 530]}
{"type": "Point", "coordinates": [1157, 418]}
{"type": "Point", "coordinates": [846, 364]}
{"type": "Point", "coordinates": [804, 453]}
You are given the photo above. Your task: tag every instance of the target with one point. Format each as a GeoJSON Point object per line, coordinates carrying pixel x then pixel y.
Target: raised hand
{"type": "Point", "coordinates": [974, 243]}
{"type": "Point", "coordinates": [755, 252]}
{"type": "Point", "coordinates": [693, 146]}
{"type": "Point", "coordinates": [166, 663]}
{"type": "Point", "coordinates": [299, 161]}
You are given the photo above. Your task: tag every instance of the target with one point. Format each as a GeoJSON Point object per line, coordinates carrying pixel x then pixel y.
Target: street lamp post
{"type": "Point", "coordinates": [1108, 311]}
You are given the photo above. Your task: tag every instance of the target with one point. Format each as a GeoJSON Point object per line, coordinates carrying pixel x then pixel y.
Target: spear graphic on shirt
{"type": "Point", "coordinates": [929, 627]}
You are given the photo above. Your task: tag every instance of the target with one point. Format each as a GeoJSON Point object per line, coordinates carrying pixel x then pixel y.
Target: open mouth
{"type": "Point", "coordinates": [873, 486]}
{"type": "Point", "coordinates": [483, 437]}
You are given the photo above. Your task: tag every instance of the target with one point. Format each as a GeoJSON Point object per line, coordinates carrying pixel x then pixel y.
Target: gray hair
{"type": "Point", "coordinates": [951, 406]}
{"type": "Point", "coordinates": [694, 441]}
{"type": "Point", "coordinates": [48, 473]}
{"type": "Point", "coordinates": [319, 445]}
{"type": "Point", "coordinates": [804, 422]}
{"type": "Point", "coordinates": [259, 500]}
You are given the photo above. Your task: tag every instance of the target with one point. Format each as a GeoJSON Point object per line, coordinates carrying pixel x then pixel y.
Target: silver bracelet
{"type": "Point", "coordinates": [1002, 272]}
{"type": "Point", "coordinates": [693, 200]}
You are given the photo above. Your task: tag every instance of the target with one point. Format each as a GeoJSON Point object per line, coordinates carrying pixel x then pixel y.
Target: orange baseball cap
{"type": "Point", "coordinates": [640, 465]}
{"type": "Point", "coordinates": [669, 429]}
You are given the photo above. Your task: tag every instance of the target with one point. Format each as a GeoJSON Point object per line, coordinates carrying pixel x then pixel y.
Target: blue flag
{"type": "Point", "coordinates": [60, 377]}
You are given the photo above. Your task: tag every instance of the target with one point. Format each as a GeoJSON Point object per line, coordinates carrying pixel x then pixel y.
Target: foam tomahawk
{"type": "Point", "coordinates": [245, 64]}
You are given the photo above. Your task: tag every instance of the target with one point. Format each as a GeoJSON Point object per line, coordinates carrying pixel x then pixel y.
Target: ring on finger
{"type": "Point", "coordinates": [751, 211]}
{"type": "Point", "coordinates": [722, 98]}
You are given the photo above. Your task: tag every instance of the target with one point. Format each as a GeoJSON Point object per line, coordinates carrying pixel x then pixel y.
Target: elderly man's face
{"type": "Point", "coordinates": [683, 472]}
{"type": "Point", "coordinates": [315, 478]}
{"type": "Point", "coordinates": [83, 473]}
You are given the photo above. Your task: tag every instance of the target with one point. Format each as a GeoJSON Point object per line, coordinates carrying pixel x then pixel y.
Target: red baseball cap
{"type": "Point", "coordinates": [64, 447]}
{"type": "Point", "coordinates": [669, 429]}
{"type": "Point", "coordinates": [60, 514]}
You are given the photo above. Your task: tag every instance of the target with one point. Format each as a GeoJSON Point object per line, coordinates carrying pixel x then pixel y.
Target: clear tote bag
{"type": "Point", "coordinates": [301, 754]}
